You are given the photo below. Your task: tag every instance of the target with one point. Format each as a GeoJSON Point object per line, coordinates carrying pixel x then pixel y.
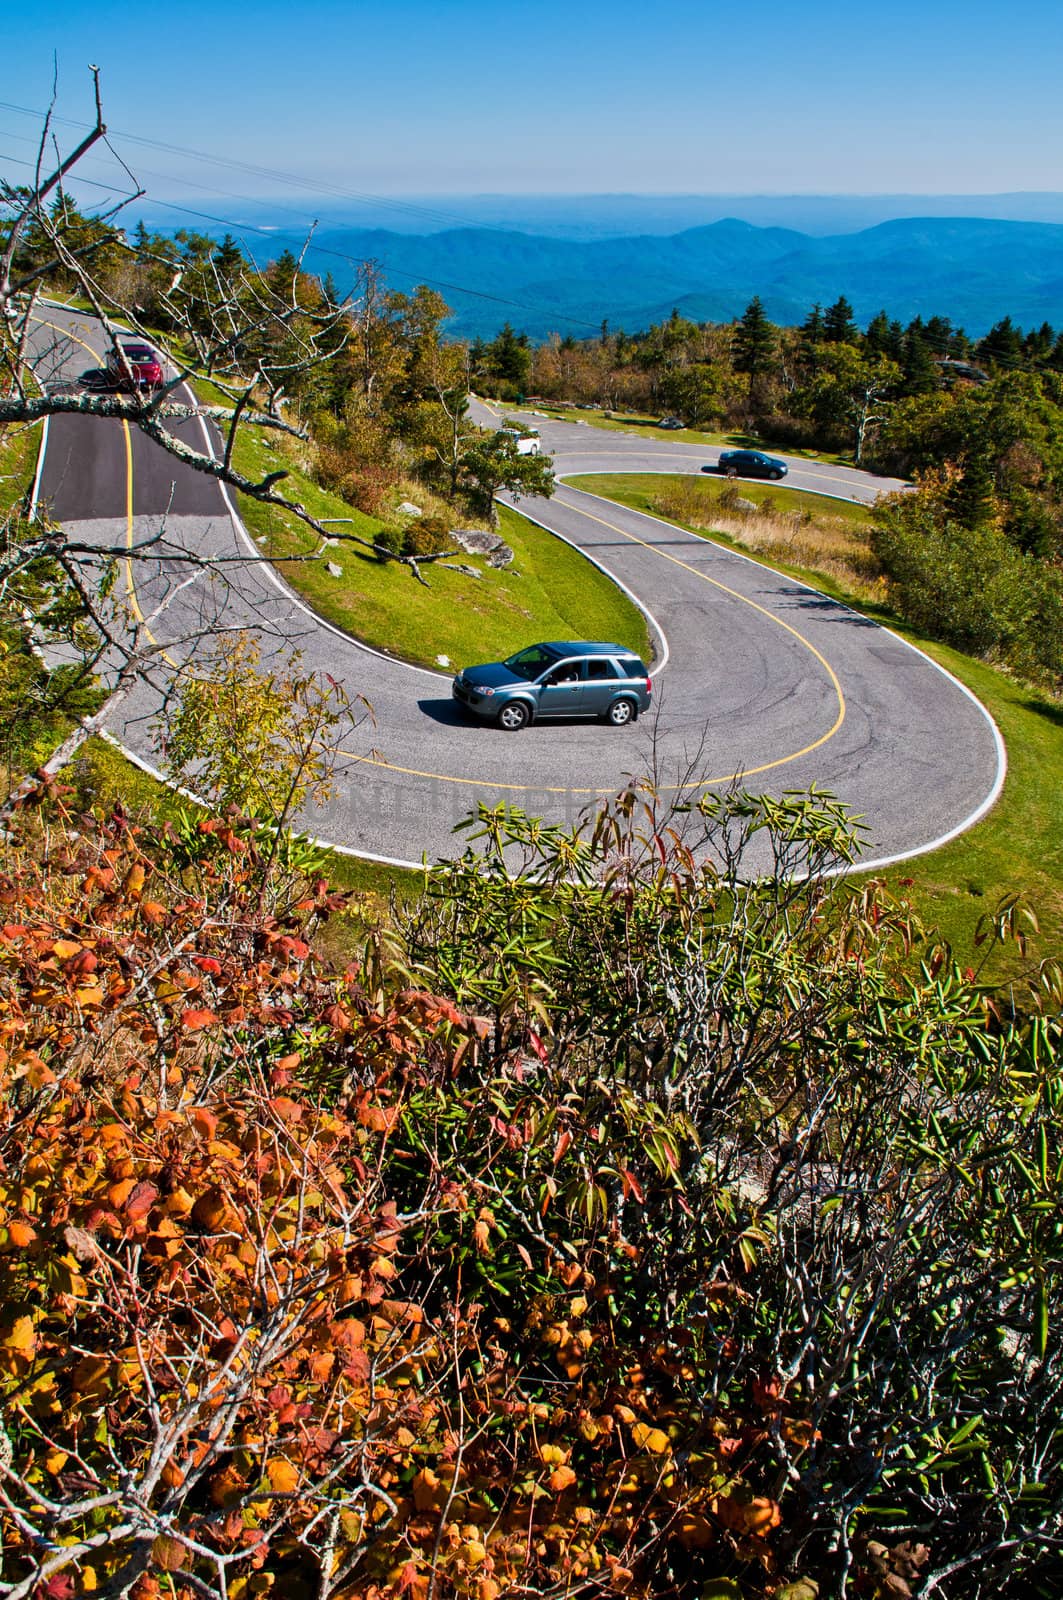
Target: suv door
{"type": "Point", "coordinates": [561, 690]}
{"type": "Point", "coordinates": [600, 685]}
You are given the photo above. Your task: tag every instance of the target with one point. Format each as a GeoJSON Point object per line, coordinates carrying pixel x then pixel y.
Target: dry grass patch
{"type": "Point", "coordinates": [831, 542]}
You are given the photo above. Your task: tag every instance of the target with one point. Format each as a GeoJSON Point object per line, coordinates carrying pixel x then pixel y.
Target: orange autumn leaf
{"type": "Point", "coordinates": [195, 1019]}
{"type": "Point", "coordinates": [283, 1476]}
{"type": "Point", "coordinates": [749, 1514]}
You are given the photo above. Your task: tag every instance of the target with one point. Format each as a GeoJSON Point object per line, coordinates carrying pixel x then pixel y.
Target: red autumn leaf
{"type": "Point", "coordinates": [192, 1021]}
{"type": "Point", "coordinates": [61, 1587]}
{"type": "Point", "coordinates": [631, 1185]}
{"type": "Point", "coordinates": [208, 964]}
{"type": "Point", "coordinates": [141, 1200]}
{"type": "Point", "coordinates": [537, 1045]}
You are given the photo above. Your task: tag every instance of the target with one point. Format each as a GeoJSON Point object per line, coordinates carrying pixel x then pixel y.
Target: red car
{"type": "Point", "coordinates": [142, 368]}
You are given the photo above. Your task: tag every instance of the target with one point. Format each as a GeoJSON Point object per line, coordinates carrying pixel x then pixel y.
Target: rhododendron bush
{"type": "Point", "coordinates": [500, 1262]}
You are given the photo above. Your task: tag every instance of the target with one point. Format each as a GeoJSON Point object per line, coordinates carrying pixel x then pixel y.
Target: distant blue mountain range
{"type": "Point", "coordinates": [972, 270]}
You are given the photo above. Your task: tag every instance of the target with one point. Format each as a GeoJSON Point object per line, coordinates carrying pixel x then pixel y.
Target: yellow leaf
{"type": "Point", "coordinates": [561, 1478]}
{"type": "Point", "coordinates": [655, 1440]}
{"type": "Point", "coordinates": [283, 1477]}
{"type": "Point", "coordinates": [22, 1339]}
{"type": "Point", "coordinates": [55, 1461]}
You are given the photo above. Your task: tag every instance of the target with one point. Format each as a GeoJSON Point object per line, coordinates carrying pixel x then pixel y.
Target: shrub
{"type": "Point", "coordinates": [427, 536]}
{"type": "Point", "coordinates": [970, 587]}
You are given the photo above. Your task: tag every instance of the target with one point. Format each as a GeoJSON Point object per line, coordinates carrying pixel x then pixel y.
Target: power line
{"type": "Point", "coordinates": [317, 187]}
{"type": "Point", "coordinates": [289, 236]}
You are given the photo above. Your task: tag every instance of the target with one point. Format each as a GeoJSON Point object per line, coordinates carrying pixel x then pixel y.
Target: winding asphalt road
{"type": "Point", "coordinates": [756, 676]}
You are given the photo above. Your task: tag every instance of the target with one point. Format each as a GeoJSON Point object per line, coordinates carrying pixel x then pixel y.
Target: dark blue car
{"type": "Point", "coordinates": [750, 464]}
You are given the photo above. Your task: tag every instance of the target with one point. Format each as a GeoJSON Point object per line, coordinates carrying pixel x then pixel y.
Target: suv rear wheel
{"type": "Point", "coordinates": [513, 716]}
{"type": "Point", "coordinates": [620, 713]}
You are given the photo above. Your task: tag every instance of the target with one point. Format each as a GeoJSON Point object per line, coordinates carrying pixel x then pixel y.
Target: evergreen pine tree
{"type": "Point", "coordinates": [1002, 345]}
{"type": "Point", "coordinates": [228, 257]}
{"type": "Point", "coordinates": [755, 342]}
{"type": "Point", "coordinates": [838, 324]}
{"type": "Point", "coordinates": [1038, 344]}
{"type": "Point", "coordinates": [812, 327]}
{"type": "Point", "coordinates": [920, 372]}
{"type": "Point", "coordinates": [972, 501]}
{"type": "Point", "coordinates": [938, 335]}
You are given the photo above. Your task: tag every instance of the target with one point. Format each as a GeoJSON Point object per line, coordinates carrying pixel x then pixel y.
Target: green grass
{"type": "Point", "coordinates": [1018, 847]}
{"type": "Point", "coordinates": [639, 490]}
{"type": "Point", "coordinates": [549, 591]}
{"type": "Point", "coordinates": [647, 427]}
{"type": "Point", "coordinates": [18, 462]}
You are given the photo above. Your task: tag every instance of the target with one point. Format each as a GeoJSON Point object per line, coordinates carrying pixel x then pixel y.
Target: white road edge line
{"type": "Point", "coordinates": [998, 741]}
{"type": "Point", "coordinates": [188, 794]}
{"type": "Point", "coordinates": [269, 570]}
{"type": "Point", "coordinates": [41, 448]}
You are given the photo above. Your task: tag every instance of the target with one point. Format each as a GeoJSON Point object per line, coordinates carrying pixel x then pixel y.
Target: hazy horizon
{"type": "Point", "coordinates": [596, 216]}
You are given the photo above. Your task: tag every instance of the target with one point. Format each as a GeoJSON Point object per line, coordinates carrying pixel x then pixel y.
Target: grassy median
{"type": "Point", "coordinates": [1018, 848]}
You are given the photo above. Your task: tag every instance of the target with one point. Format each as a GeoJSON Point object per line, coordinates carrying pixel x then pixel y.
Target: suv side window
{"type": "Point", "coordinates": [631, 667]}
{"type": "Point", "coordinates": [600, 667]}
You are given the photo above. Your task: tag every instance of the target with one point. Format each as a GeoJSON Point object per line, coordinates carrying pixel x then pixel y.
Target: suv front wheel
{"type": "Point", "coordinates": [514, 716]}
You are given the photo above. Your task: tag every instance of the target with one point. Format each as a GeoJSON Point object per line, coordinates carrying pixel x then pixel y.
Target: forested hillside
{"type": "Point", "coordinates": [911, 265]}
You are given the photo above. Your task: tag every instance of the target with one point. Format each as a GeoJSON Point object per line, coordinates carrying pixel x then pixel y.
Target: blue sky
{"type": "Point", "coordinates": [460, 96]}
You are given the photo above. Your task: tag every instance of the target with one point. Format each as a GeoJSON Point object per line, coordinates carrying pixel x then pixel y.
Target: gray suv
{"type": "Point", "coordinates": [557, 679]}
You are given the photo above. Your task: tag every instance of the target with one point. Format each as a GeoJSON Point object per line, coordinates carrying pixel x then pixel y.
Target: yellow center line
{"type": "Point", "coordinates": [131, 588]}
{"type": "Point", "coordinates": [487, 783]}
{"type": "Point", "coordinates": [743, 772]}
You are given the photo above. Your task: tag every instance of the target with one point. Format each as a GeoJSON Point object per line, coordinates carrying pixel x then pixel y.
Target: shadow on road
{"type": "Point", "coordinates": [806, 600]}
{"type": "Point", "coordinates": [444, 712]}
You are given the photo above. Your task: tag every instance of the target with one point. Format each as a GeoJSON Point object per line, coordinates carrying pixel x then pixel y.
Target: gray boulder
{"type": "Point", "coordinates": [491, 546]}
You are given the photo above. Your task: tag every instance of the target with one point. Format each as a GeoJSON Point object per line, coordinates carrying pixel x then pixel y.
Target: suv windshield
{"type": "Point", "coordinates": [528, 664]}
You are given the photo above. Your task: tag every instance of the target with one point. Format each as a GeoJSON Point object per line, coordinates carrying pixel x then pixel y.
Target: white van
{"type": "Point", "coordinates": [527, 440]}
